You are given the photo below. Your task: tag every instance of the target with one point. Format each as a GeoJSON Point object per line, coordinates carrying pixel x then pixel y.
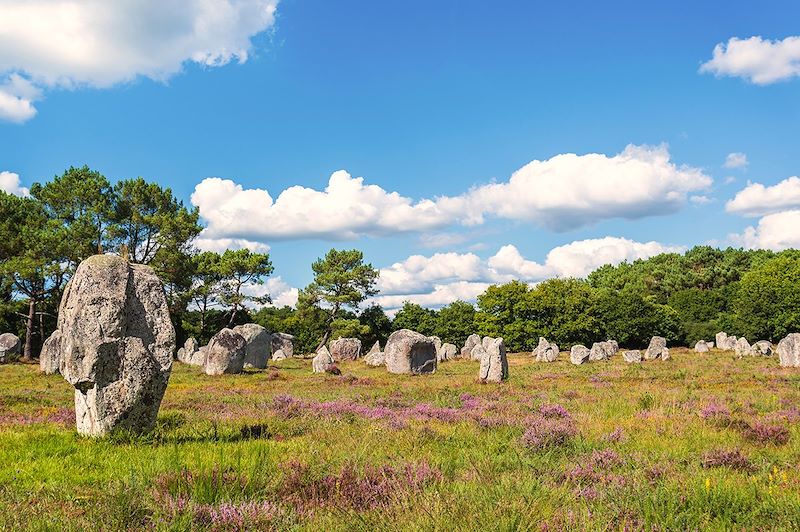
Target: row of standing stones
{"type": "Point", "coordinates": [114, 343]}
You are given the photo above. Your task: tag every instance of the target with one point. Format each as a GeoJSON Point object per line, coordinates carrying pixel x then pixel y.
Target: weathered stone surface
{"type": "Point", "coordinates": [614, 347]}
{"type": "Point", "coordinates": [278, 355]}
{"type": "Point", "coordinates": [115, 343]}
{"type": "Point", "coordinates": [259, 345]}
{"type": "Point", "coordinates": [478, 352]}
{"type": "Point", "coordinates": [446, 352]}
{"type": "Point", "coordinates": [375, 359]}
{"type": "Point", "coordinates": [545, 351]}
{"type": "Point", "coordinates": [49, 358]}
{"type": "Point", "coordinates": [601, 351]}
{"type": "Point", "coordinates": [284, 342]}
{"type": "Point", "coordinates": [494, 364]}
{"type": "Point", "coordinates": [743, 348]}
{"type": "Point", "coordinates": [486, 342]}
{"type": "Point", "coordinates": [437, 343]}
{"type": "Point", "coordinates": [322, 361]}
{"type": "Point", "coordinates": [656, 348]}
{"type": "Point", "coordinates": [725, 342]}
{"type": "Point", "coordinates": [632, 356]}
{"type": "Point", "coordinates": [410, 352]}
{"type": "Point", "coordinates": [789, 351]}
{"type": "Point", "coordinates": [225, 353]}
{"type": "Point", "coordinates": [665, 354]}
{"type": "Point", "coordinates": [376, 348]}
{"type": "Point", "coordinates": [701, 347]}
{"type": "Point", "coordinates": [9, 347]}
{"type": "Point", "coordinates": [345, 349]}
{"type": "Point", "coordinates": [579, 354]}
{"type": "Point", "coordinates": [763, 347]}
{"type": "Point", "coordinates": [472, 341]}
{"type": "Point", "coordinates": [190, 353]}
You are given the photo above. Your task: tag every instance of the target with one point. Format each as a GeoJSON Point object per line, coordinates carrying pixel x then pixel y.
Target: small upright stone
{"type": "Point", "coordinates": [472, 341]}
{"type": "Point", "coordinates": [701, 347]}
{"type": "Point", "coordinates": [486, 342]}
{"type": "Point", "coordinates": [284, 342]}
{"type": "Point", "coordinates": [259, 345]}
{"type": "Point", "coordinates": [601, 351]}
{"type": "Point", "coordinates": [632, 356]}
{"type": "Point", "coordinates": [545, 351]}
{"type": "Point", "coordinates": [322, 361]}
{"type": "Point", "coordinates": [49, 358]}
{"type": "Point", "coordinates": [720, 339]}
{"type": "Point", "coordinates": [763, 347]}
{"type": "Point", "coordinates": [446, 352]}
{"type": "Point", "coordinates": [345, 349]}
{"type": "Point", "coordinates": [742, 348]}
{"type": "Point", "coordinates": [410, 352]}
{"type": "Point", "coordinates": [656, 348]}
{"type": "Point", "coordinates": [375, 359]}
{"type": "Point", "coordinates": [478, 352]}
{"type": "Point", "coordinates": [189, 353]}
{"type": "Point", "coordinates": [225, 353]}
{"type": "Point", "coordinates": [9, 347]}
{"type": "Point", "coordinates": [789, 351]}
{"type": "Point", "coordinates": [494, 364]}
{"type": "Point", "coordinates": [579, 354]}
{"type": "Point", "coordinates": [376, 348]}
{"type": "Point", "coordinates": [614, 347]}
{"type": "Point", "coordinates": [278, 355]}
{"type": "Point", "coordinates": [437, 343]}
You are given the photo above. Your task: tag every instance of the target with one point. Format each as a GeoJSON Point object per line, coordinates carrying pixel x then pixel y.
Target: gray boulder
{"type": "Point", "coordinates": [278, 355]}
{"type": "Point", "coordinates": [410, 352]}
{"type": "Point", "coordinates": [494, 364]}
{"type": "Point", "coordinates": [701, 347]}
{"type": "Point", "coordinates": [632, 356]}
{"type": "Point", "coordinates": [763, 347]}
{"type": "Point", "coordinates": [376, 348]}
{"type": "Point", "coordinates": [345, 349]}
{"type": "Point", "coordinates": [225, 353]}
{"type": "Point", "coordinates": [322, 361]}
{"type": "Point", "coordinates": [375, 359]}
{"type": "Point", "coordinates": [743, 348]}
{"type": "Point", "coordinates": [614, 347]}
{"type": "Point", "coordinates": [478, 352]}
{"type": "Point", "coordinates": [9, 348]}
{"type": "Point", "coordinates": [601, 351]}
{"type": "Point", "coordinates": [284, 342]}
{"type": "Point", "coordinates": [486, 342]}
{"type": "Point", "coordinates": [446, 352]}
{"type": "Point", "coordinates": [545, 351]}
{"type": "Point", "coordinates": [190, 353]}
{"type": "Point", "coordinates": [49, 358]}
{"type": "Point", "coordinates": [789, 351]}
{"type": "Point", "coordinates": [437, 343]}
{"type": "Point", "coordinates": [725, 342]}
{"type": "Point", "coordinates": [472, 341]}
{"type": "Point", "coordinates": [115, 343]}
{"type": "Point", "coordinates": [665, 354]}
{"type": "Point", "coordinates": [579, 354]}
{"type": "Point", "coordinates": [656, 349]}
{"type": "Point", "coordinates": [259, 345]}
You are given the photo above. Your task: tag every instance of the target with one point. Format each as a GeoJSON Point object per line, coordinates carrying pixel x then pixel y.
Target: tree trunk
{"type": "Point", "coordinates": [328, 328]}
{"type": "Point", "coordinates": [28, 351]}
{"type": "Point", "coordinates": [233, 316]}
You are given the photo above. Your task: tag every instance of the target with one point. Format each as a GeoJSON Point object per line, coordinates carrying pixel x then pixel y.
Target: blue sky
{"type": "Point", "coordinates": [425, 100]}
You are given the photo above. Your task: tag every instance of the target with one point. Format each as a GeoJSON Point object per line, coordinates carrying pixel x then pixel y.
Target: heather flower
{"type": "Point", "coordinates": [545, 432]}
{"type": "Point", "coordinates": [767, 433]}
{"type": "Point", "coordinates": [732, 458]}
{"type": "Point", "coordinates": [715, 412]}
{"type": "Point", "coordinates": [553, 410]}
{"type": "Point", "coordinates": [614, 436]}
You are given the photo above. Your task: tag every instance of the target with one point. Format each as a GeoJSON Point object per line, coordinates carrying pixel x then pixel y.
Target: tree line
{"type": "Point", "coordinates": [683, 297]}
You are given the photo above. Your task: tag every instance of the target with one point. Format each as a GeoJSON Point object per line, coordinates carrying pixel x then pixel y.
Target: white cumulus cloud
{"type": "Point", "coordinates": [67, 44]}
{"type": "Point", "coordinates": [760, 61]}
{"type": "Point", "coordinates": [758, 200]}
{"type": "Point", "coordinates": [777, 231]}
{"type": "Point", "coordinates": [735, 160]}
{"type": "Point", "coordinates": [10, 182]}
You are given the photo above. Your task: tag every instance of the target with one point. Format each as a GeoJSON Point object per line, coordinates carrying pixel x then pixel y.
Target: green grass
{"type": "Point", "coordinates": [220, 440]}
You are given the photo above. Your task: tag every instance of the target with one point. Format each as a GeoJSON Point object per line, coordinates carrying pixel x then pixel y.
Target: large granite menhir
{"type": "Point", "coordinates": [410, 352]}
{"type": "Point", "coordinates": [115, 343]}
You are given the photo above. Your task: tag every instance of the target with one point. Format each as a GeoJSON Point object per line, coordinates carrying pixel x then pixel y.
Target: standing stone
{"type": "Point", "coordinates": [665, 354]}
{"type": "Point", "coordinates": [115, 343]}
{"type": "Point", "coordinates": [742, 348]}
{"type": "Point", "coordinates": [9, 348]}
{"type": "Point", "coordinates": [446, 352]}
{"type": "Point", "coordinates": [545, 351]}
{"type": "Point", "coordinates": [478, 352]}
{"type": "Point", "coordinates": [789, 351]}
{"type": "Point", "coordinates": [486, 342]}
{"type": "Point", "coordinates": [701, 347]}
{"type": "Point", "coordinates": [437, 343]}
{"type": "Point", "coordinates": [322, 361]}
{"type": "Point", "coordinates": [188, 354]}
{"type": "Point", "coordinates": [633, 356]}
{"type": "Point", "coordinates": [225, 353]}
{"type": "Point", "coordinates": [763, 347]}
{"type": "Point", "coordinates": [614, 347]}
{"type": "Point", "coordinates": [601, 351]}
{"type": "Point", "coordinates": [472, 341]}
{"type": "Point", "coordinates": [410, 352]}
{"type": "Point", "coordinates": [376, 348]}
{"type": "Point", "coordinates": [259, 345]}
{"type": "Point", "coordinates": [284, 342]}
{"type": "Point", "coordinates": [579, 354]}
{"type": "Point", "coordinates": [345, 349]}
{"type": "Point", "coordinates": [279, 355]}
{"type": "Point", "coordinates": [494, 364]}
{"type": "Point", "coordinates": [375, 359]}
{"type": "Point", "coordinates": [49, 358]}
{"type": "Point", "coordinates": [656, 348]}
{"type": "Point", "coordinates": [720, 339]}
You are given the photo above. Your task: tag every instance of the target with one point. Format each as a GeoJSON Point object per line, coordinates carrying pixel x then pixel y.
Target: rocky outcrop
{"type": "Point", "coordinates": [322, 360]}
{"type": "Point", "coordinates": [494, 364]}
{"type": "Point", "coordinates": [789, 351]}
{"type": "Point", "coordinates": [225, 353]}
{"type": "Point", "coordinates": [115, 342]}
{"type": "Point", "coordinates": [657, 349]}
{"type": "Point", "coordinates": [579, 354]}
{"type": "Point", "coordinates": [345, 349]}
{"type": "Point", "coordinates": [259, 345]}
{"type": "Point", "coordinates": [410, 352]}
{"type": "Point", "coordinates": [545, 351]}
{"type": "Point", "coordinates": [283, 342]}
{"type": "Point", "coordinates": [49, 358]}
{"type": "Point", "coordinates": [9, 348]}
{"type": "Point", "coordinates": [632, 356]}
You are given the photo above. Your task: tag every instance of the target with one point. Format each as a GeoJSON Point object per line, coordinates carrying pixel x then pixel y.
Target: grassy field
{"type": "Point", "coordinates": [701, 441]}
